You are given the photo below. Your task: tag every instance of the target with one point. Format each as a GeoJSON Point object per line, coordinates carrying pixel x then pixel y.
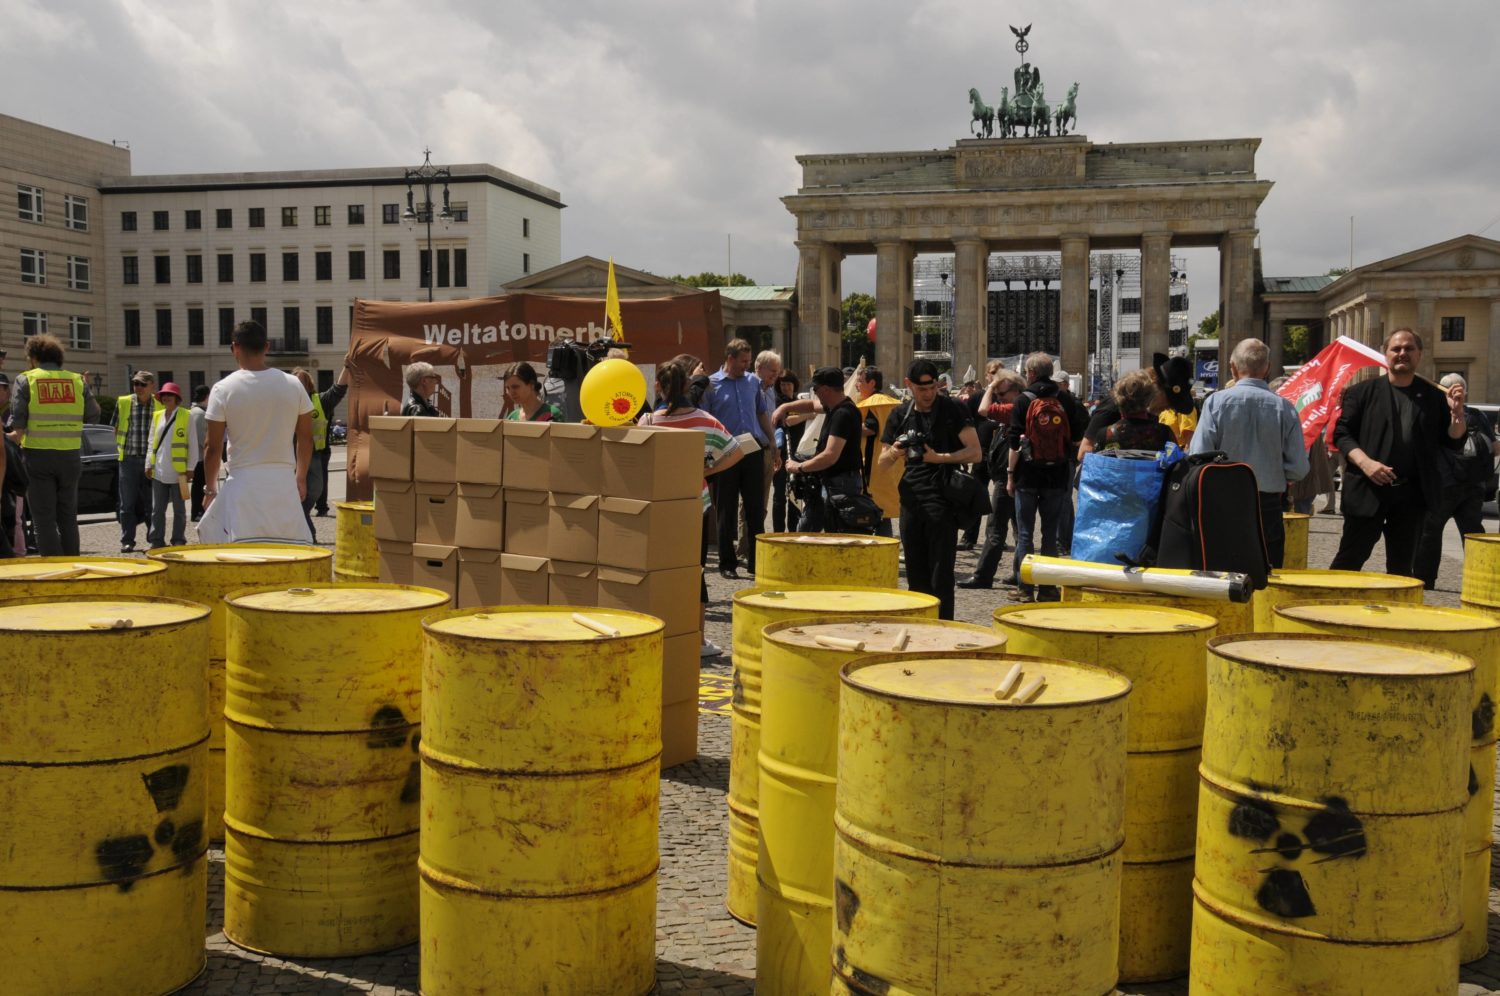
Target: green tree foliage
{"type": "Point", "coordinates": [1337, 271]}
{"type": "Point", "coordinates": [1295, 343]}
{"type": "Point", "coordinates": [1207, 329]}
{"type": "Point", "coordinates": [707, 279]}
{"type": "Point", "coordinates": [106, 409]}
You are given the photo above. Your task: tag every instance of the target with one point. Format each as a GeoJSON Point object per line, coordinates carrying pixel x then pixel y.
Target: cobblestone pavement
{"type": "Point", "coordinates": [700, 948]}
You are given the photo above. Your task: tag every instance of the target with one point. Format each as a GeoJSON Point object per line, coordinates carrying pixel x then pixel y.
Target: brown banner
{"type": "Point", "coordinates": [473, 342]}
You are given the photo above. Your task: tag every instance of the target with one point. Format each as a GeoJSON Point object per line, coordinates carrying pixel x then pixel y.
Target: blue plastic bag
{"type": "Point", "coordinates": [1119, 495]}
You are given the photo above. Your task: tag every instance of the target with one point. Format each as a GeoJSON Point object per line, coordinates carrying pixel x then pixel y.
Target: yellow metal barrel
{"type": "Point", "coordinates": [1295, 526]}
{"type": "Point", "coordinates": [1162, 651]}
{"type": "Point", "coordinates": [801, 660]}
{"type": "Point", "coordinates": [103, 752]}
{"type": "Point", "coordinates": [354, 553]}
{"type": "Point", "coordinates": [818, 559]}
{"type": "Point", "coordinates": [1481, 577]}
{"type": "Point", "coordinates": [1331, 817]}
{"type": "Point", "coordinates": [69, 577]}
{"type": "Point", "coordinates": [1468, 634]}
{"type": "Point", "coordinates": [1232, 617]}
{"type": "Point", "coordinates": [541, 791]}
{"type": "Point", "coordinates": [1331, 586]}
{"type": "Point", "coordinates": [978, 837]}
{"type": "Point", "coordinates": [754, 610]}
{"type": "Point", "coordinates": [206, 573]}
{"type": "Point", "coordinates": [322, 722]}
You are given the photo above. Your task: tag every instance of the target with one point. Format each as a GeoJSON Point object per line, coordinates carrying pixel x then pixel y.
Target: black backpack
{"type": "Point", "coordinates": [1210, 519]}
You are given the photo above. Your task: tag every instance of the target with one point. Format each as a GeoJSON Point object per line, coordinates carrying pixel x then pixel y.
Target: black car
{"type": "Point", "coordinates": [99, 484]}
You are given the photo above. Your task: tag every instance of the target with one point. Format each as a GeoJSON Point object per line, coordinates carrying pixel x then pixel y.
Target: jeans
{"type": "Point", "coordinates": [135, 498]}
{"type": "Point", "coordinates": [781, 514]}
{"type": "Point", "coordinates": [53, 499]}
{"type": "Point", "coordinates": [1399, 521]}
{"type": "Point", "coordinates": [314, 487]}
{"type": "Point", "coordinates": [163, 495]}
{"type": "Point", "coordinates": [1002, 514]}
{"type": "Point", "coordinates": [320, 464]}
{"type": "Point", "coordinates": [1462, 503]}
{"type": "Point", "coordinates": [1030, 501]}
{"type": "Point", "coordinates": [1065, 526]}
{"type": "Point", "coordinates": [816, 517]}
{"type": "Point", "coordinates": [740, 483]}
{"type": "Point", "coordinates": [197, 492]}
{"type": "Point", "coordinates": [930, 544]}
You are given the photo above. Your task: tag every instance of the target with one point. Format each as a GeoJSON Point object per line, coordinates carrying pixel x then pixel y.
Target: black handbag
{"type": "Point", "coordinates": [855, 513]}
{"type": "Point", "coordinates": [966, 494]}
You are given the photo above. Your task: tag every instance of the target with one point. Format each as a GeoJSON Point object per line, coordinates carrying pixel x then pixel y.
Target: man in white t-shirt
{"type": "Point", "coordinates": [262, 412]}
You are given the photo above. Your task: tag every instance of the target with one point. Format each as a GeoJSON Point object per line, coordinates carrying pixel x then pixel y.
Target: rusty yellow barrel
{"type": "Point", "coordinates": [67, 577]}
{"type": "Point", "coordinates": [103, 748]}
{"type": "Point", "coordinates": [1481, 577]}
{"type": "Point", "coordinates": [354, 553]}
{"type": "Point", "coordinates": [1468, 634]}
{"type": "Point", "coordinates": [817, 559]}
{"type": "Point", "coordinates": [1162, 651]}
{"type": "Point", "coordinates": [206, 573]}
{"type": "Point", "coordinates": [800, 661]}
{"type": "Point", "coordinates": [1331, 818]}
{"type": "Point", "coordinates": [1232, 617]}
{"type": "Point", "coordinates": [978, 837]}
{"type": "Point", "coordinates": [754, 610]}
{"type": "Point", "coordinates": [1331, 586]}
{"type": "Point", "coordinates": [540, 795]}
{"type": "Point", "coordinates": [322, 721]}
{"type": "Point", "coordinates": [1295, 527]}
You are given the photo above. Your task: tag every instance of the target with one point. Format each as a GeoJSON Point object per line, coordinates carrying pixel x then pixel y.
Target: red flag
{"type": "Point", "coordinates": [1315, 389]}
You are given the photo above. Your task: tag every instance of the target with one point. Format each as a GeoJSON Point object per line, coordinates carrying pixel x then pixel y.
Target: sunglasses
{"type": "Point", "coordinates": [923, 383]}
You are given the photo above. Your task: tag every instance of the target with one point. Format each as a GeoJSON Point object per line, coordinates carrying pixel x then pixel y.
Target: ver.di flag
{"type": "Point", "coordinates": [612, 306]}
{"type": "Point", "coordinates": [1315, 389]}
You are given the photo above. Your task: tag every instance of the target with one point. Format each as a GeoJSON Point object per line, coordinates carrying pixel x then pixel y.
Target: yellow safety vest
{"type": "Point", "coordinates": [54, 416]}
{"type": "Point", "coordinates": [179, 437]}
{"type": "Point", "coordinates": [320, 424]}
{"type": "Point", "coordinates": [123, 405]}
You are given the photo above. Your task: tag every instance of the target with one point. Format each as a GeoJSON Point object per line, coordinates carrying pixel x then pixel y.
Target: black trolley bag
{"type": "Point", "coordinates": [1210, 519]}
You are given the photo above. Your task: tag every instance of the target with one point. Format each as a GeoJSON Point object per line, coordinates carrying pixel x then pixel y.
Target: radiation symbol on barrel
{"type": "Point", "coordinates": [124, 858]}
{"type": "Point", "coordinates": [1330, 834]}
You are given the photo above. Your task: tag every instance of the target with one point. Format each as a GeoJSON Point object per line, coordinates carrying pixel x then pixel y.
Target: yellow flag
{"type": "Point", "coordinates": [612, 306]}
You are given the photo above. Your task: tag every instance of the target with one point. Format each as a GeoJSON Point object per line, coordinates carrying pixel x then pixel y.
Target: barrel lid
{"type": "Point", "coordinates": [973, 681]}
{"type": "Point", "coordinates": [36, 568]}
{"type": "Point", "coordinates": [1341, 579]}
{"type": "Point", "coordinates": [880, 636]}
{"type": "Point", "coordinates": [827, 539]}
{"type": "Point", "coordinates": [1402, 618]}
{"type": "Point", "coordinates": [1339, 655]}
{"type": "Point", "coordinates": [358, 506]}
{"type": "Point", "coordinates": [336, 599]}
{"type": "Point", "coordinates": [99, 614]}
{"type": "Point", "coordinates": [246, 553]}
{"type": "Point", "coordinates": [560, 624]}
{"type": "Point", "coordinates": [821, 600]}
{"type": "Point", "coordinates": [1107, 620]}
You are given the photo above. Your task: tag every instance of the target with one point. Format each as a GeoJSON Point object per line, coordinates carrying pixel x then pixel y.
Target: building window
{"type": "Point", "coordinates": [192, 219]}
{"type": "Point", "coordinates": [257, 267]}
{"type": "Point", "coordinates": [459, 210]}
{"type": "Point", "coordinates": [325, 325]}
{"type": "Point", "coordinates": [525, 262]}
{"type": "Point", "coordinates": [33, 323]}
{"type": "Point", "coordinates": [164, 326]}
{"type": "Point", "coordinates": [161, 221]}
{"type": "Point", "coordinates": [132, 327]}
{"type": "Point", "coordinates": [196, 379]}
{"type": "Point", "coordinates": [291, 325]}
{"type": "Point", "coordinates": [194, 268]}
{"type": "Point", "coordinates": [258, 316]}
{"type": "Point", "coordinates": [226, 267]}
{"type": "Point", "coordinates": [224, 217]}
{"type": "Point", "coordinates": [424, 268]}
{"type": "Point", "coordinates": [226, 326]}
{"type": "Point", "coordinates": [323, 265]}
{"type": "Point", "coordinates": [132, 270]}
{"type": "Point", "coordinates": [195, 326]}
{"type": "Point", "coordinates": [257, 217]}
{"type": "Point", "coordinates": [289, 267]}
{"type": "Point", "coordinates": [356, 214]}
{"type": "Point", "coordinates": [443, 272]}
{"type": "Point", "coordinates": [322, 215]}
{"type": "Point", "coordinates": [127, 221]}
{"type": "Point", "coordinates": [392, 260]}
{"type": "Point", "coordinates": [460, 268]}
{"type": "Point", "coordinates": [76, 213]}
{"type": "Point", "coordinates": [78, 273]}
{"type": "Point", "coordinates": [288, 217]}
{"type": "Point", "coordinates": [390, 214]}
{"type": "Point", "coordinates": [356, 264]}
{"type": "Point", "coordinates": [33, 266]}
{"type": "Point", "coordinates": [29, 202]}
{"type": "Point", "coordinates": [166, 376]}
{"type": "Point", "coordinates": [80, 332]}
{"type": "Point", "coordinates": [525, 228]}
{"type": "Point", "coordinates": [163, 269]}
{"type": "Point", "coordinates": [1452, 330]}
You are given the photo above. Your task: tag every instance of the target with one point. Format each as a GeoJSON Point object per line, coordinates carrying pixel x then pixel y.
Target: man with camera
{"type": "Point", "coordinates": [934, 435]}
{"type": "Point", "coordinates": [837, 468]}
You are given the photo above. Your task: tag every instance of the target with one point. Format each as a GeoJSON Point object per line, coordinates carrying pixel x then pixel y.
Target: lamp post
{"type": "Point", "coordinates": [424, 176]}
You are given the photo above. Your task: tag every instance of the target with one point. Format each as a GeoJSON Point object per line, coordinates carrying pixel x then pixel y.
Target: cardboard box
{"type": "Point", "coordinates": [576, 454]}
{"type": "Point", "coordinates": [434, 449]}
{"type": "Point", "coordinates": [481, 517]}
{"type": "Point", "coordinates": [573, 527]}
{"type": "Point", "coordinates": [528, 454]}
{"type": "Point", "coordinates": [681, 659]}
{"type": "Point", "coordinates": [478, 578]}
{"type": "Point", "coordinates": [650, 535]}
{"type": "Point", "coordinates": [571, 583]}
{"type": "Point", "coordinates": [481, 450]}
{"type": "Point", "coordinates": [395, 561]}
{"type": "Point", "coordinates": [389, 453]}
{"type": "Point", "coordinates": [437, 513]}
{"type": "Point", "coordinates": [672, 596]}
{"type": "Point", "coordinates": [679, 733]}
{"type": "Point", "coordinates": [651, 464]}
{"type": "Point", "coordinates": [395, 510]}
{"type": "Point", "coordinates": [435, 565]}
{"type": "Point", "coordinates": [526, 516]}
{"type": "Point", "coordinates": [523, 580]}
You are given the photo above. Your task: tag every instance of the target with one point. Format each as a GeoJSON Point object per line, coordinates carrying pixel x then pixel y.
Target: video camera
{"type": "Point", "coordinates": [568, 360]}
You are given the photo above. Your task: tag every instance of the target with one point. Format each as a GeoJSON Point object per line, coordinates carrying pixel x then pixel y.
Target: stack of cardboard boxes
{"type": "Point", "coordinates": [541, 513]}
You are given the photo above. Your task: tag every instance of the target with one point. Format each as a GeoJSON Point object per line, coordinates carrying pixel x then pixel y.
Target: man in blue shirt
{"type": "Point", "coordinates": [1254, 425]}
{"type": "Point", "coordinates": [735, 398]}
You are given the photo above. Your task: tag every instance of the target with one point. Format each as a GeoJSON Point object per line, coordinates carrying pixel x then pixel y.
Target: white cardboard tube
{"type": "Point", "coordinates": [602, 628]}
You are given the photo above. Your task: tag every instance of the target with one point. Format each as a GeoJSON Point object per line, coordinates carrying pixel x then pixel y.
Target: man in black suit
{"type": "Point", "coordinates": [1392, 431]}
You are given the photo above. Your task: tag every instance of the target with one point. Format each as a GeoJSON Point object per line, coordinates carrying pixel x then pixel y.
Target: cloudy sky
{"type": "Point", "coordinates": [668, 125]}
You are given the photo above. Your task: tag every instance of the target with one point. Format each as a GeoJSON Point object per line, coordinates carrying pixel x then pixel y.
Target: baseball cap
{"type": "Point", "coordinates": [4, 380]}
{"type": "Point", "coordinates": [143, 377]}
{"type": "Point", "coordinates": [828, 377]}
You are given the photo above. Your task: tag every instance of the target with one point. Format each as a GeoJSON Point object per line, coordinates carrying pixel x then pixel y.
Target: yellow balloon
{"type": "Point", "coordinates": [612, 392]}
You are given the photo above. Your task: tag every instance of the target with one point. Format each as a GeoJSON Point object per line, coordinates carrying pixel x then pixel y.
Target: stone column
{"type": "Point", "coordinates": [1156, 290]}
{"type": "Point", "coordinates": [1073, 320]}
{"type": "Point", "coordinates": [970, 295]}
{"type": "Point", "coordinates": [1489, 386]}
{"type": "Point", "coordinates": [1357, 320]}
{"type": "Point", "coordinates": [1427, 322]}
{"type": "Point", "coordinates": [893, 303]}
{"type": "Point", "coordinates": [1276, 343]}
{"type": "Point", "coordinates": [811, 318]}
{"type": "Point", "coordinates": [1374, 321]}
{"type": "Point", "coordinates": [1237, 292]}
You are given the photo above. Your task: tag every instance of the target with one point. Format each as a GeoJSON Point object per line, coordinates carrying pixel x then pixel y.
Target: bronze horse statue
{"type": "Point", "coordinates": [982, 113]}
{"type": "Point", "coordinates": [1067, 112]}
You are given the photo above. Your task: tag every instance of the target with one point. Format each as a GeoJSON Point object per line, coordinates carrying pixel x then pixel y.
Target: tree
{"type": "Point", "coordinates": [1295, 340]}
{"type": "Point", "coordinates": [1207, 329]}
{"type": "Point", "coordinates": [854, 324]}
{"type": "Point", "coordinates": [708, 279]}
{"type": "Point", "coordinates": [1337, 271]}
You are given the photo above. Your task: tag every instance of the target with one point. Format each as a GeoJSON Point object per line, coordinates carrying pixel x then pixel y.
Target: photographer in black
{"type": "Point", "coordinates": [837, 464]}
{"type": "Point", "coordinates": [933, 435]}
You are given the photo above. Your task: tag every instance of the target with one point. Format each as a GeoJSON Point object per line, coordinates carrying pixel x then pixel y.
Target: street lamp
{"type": "Point", "coordinates": [424, 176]}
